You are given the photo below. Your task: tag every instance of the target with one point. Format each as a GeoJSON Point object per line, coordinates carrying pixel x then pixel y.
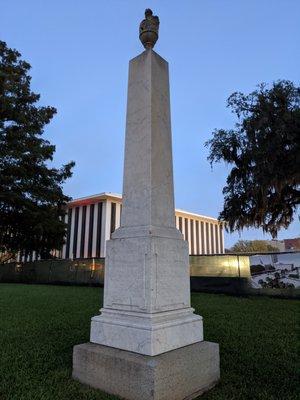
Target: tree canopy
{"type": "Point", "coordinates": [250, 246]}
{"type": "Point", "coordinates": [31, 196]}
{"type": "Point", "coordinates": [263, 148]}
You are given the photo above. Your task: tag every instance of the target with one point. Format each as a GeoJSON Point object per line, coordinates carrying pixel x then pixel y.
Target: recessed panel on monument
{"type": "Point", "coordinates": [147, 274]}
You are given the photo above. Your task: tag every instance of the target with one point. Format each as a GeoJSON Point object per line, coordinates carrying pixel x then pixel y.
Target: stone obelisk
{"type": "Point", "coordinates": [146, 313]}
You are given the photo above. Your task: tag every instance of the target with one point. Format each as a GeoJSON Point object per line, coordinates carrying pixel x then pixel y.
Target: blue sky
{"type": "Point", "coordinates": [79, 52]}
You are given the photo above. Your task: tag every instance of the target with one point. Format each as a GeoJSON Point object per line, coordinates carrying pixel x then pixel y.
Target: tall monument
{"type": "Point", "coordinates": [147, 343]}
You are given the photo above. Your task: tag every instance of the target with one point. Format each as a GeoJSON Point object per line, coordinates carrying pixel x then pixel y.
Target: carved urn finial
{"type": "Point", "coordinates": [149, 29]}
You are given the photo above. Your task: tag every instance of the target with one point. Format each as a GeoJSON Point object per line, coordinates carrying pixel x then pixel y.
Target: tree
{"type": "Point", "coordinates": [263, 186]}
{"type": "Point", "coordinates": [252, 246]}
{"type": "Point", "coordinates": [31, 197]}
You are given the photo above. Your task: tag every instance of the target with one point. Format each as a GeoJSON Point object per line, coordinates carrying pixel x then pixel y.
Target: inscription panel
{"type": "Point", "coordinates": [125, 274]}
{"type": "Point", "coordinates": [172, 275]}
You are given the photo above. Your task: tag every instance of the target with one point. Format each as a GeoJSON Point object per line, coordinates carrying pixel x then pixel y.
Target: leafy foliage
{"type": "Point", "coordinates": [249, 246]}
{"type": "Point", "coordinates": [263, 186]}
{"type": "Point", "coordinates": [31, 197]}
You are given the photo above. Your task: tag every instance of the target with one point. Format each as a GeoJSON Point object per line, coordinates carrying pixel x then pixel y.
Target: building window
{"type": "Point", "coordinates": [99, 229]}
{"type": "Point", "coordinates": [112, 218]}
{"type": "Point", "coordinates": [217, 239]}
{"type": "Point", "coordinates": [192, 236]}
{"type": "Point", "coordinates": [186, 228]}
{"type": "Point", "coordinates": [207, 238]}
{"type": "Point", "coordinates": [69, 232]}
{"type": "Point", "coordinates": [91, 230]}
{"type": "Point", "coordinates": [75, 232]}
{"type": "Point", "coordinates": [82, 231]}
{"type": "Point", "coordinates": [221, 238]}
{"type": "Point", "coordinates": [202, 238]}
{"type": "Point", "coordinates": [180, 224]}
{"type": "Point", "coordinates": [212, 239]}
{"type": "Point", "coordinates": [197, 238]}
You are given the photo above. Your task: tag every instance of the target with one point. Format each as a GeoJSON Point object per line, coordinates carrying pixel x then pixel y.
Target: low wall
{"type": "Point", "coordinates": [220, 266]}
{"type": "Point", "coordinates": [226, 285]}
{"type": "Point", "coordinates": [229, 274]}
{"type": "Point", "coordinates": [76, 272]}
{"type": "Point", "coordinates": [238, 287]}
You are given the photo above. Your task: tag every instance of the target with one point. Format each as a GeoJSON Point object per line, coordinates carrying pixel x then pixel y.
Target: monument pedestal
{"type": "Point", "coordinates": [180, 374]}
{"type": "Point", "coordinates": [147, 294]}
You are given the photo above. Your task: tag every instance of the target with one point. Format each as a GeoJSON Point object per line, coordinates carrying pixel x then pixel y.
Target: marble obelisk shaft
{"type": "Point", "coordinates": [148, 194]}
{"type": "Point", "coordinates": [147, 288]}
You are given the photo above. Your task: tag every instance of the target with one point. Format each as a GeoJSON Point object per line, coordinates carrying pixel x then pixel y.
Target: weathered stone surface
{"type": "Point", "coordinates": [148, 194]}
{"type": "Point", "coordinates": [180, 374]}
{"type": "Point", "coordinates": [147, 286]}
{"type": "Point", "coordinates": [144, 333]}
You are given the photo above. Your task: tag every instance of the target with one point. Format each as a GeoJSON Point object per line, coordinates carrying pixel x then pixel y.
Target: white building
{"type": "Point", "coordinates": [91, 221]}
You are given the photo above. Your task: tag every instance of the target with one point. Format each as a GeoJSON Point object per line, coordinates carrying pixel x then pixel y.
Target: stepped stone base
{"type": "Point", "coordinates": [148, 334]}
{"type": "Point", "coordinates": [181, 374]}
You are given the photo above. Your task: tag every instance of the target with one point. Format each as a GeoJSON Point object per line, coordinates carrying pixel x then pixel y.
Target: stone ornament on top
{"type": "Point", "coordinates": [149, 29]}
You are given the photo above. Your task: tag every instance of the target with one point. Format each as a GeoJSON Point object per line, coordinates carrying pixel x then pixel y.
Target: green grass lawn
{"type": "Point", "coordinates": [39, 325]}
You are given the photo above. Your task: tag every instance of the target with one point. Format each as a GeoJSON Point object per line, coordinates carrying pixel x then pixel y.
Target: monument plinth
{"type": "Point", "coordinates": [146, 306]}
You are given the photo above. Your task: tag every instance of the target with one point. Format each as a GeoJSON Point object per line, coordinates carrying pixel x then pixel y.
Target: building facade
{"type": "Point", "coordinates": [92, 220]}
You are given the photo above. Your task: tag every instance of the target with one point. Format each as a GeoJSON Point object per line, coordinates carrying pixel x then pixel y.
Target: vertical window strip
{"type": "Point", "coordinates": [75, 232]}
{"type": "Point", "coordinates": [91, 226]}
{"type": "Point", "coordinates": [99, 230]}
{"type": "Point", "coordinates": [202, 238]}
{"type": "Point", "coordinates": [83, 223]}
{"type": "Point", "coordinates": [217, 239]}
{"type": "Point", "coordinates": [69, 232]}
{"type": "Point", "coordinates": [64, 247]}
{"type": "Point", "coordinates": [207, 238]}
{"type": "Point", "coordinates": [186, 222]}
{"type": "Point", "coordinates": [197, 238]}
{"type": "Point", "coordinates": [221, 239]}
{"type": "Point", "coordinates": [212, 239]}
{"type": "Point", "coordinates": [192, 236]}
{"type": "Point", "coordinates": [180, 224]}
{"type": "Point", "coordinates": [112, 218]}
